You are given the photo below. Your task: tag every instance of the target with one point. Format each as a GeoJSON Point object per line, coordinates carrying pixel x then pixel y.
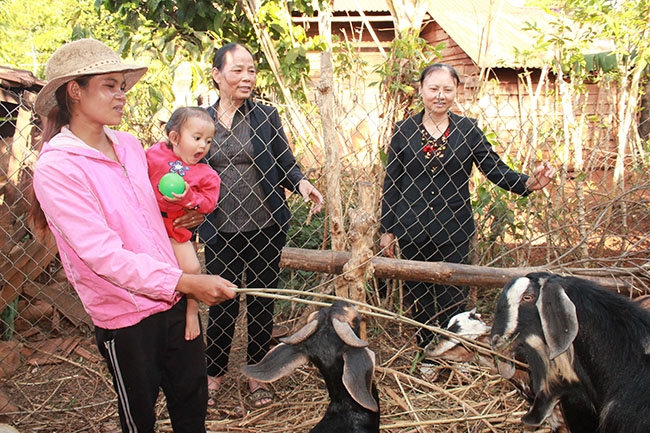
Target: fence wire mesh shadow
{"type": "Point", "coordinates": [588, 222]}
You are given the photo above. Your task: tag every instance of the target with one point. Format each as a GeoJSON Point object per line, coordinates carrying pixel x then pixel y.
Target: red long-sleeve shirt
{"type": "Point", "coordinates": [204, 185]}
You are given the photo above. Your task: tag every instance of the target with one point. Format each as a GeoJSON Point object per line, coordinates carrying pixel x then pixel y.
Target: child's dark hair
{"type": "Point", "coordinates": [180, 116]}
{"type": "Point", "coordinates": [437, 66]}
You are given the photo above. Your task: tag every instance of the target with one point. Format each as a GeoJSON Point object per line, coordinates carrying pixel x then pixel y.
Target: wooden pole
{"type": "Point", "coordinates": [358, 269]}
{"type": "Point", "coordinates": [332, 262]}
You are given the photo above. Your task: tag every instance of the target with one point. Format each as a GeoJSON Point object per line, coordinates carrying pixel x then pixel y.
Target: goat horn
{"type": "Point", "coordinates": [345, 332]}
{"type": "Point", "coordinates": [302, 334]}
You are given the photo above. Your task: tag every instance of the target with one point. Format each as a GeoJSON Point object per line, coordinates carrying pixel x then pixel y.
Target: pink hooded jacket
{"type": "Point", "coordinates": [108, 228]}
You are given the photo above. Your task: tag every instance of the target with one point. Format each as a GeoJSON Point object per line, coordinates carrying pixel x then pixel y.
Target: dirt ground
{"type": "Point", "coordinates": [65, 387]}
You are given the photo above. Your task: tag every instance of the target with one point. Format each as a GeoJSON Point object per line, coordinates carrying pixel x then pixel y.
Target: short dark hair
{"type": "Point", "coordinates": [437, 66]}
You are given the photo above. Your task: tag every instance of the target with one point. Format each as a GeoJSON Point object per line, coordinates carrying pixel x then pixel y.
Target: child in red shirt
{"type": "Point", "coordinates": [189, 132]}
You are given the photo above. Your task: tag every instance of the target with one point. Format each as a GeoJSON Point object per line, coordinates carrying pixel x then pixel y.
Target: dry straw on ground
{"type": "Point", "coordinates": [75, 394]}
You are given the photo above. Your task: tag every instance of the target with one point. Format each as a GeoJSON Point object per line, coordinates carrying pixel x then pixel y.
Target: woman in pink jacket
{"type": "Point", "coordinates": [94, 193]}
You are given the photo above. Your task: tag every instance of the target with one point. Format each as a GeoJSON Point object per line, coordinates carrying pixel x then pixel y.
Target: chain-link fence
{"type": "Point", "coordinates": [593, 221]}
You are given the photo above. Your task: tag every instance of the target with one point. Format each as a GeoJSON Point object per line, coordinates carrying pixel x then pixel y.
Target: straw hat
{"type": "Point", "coordinates": [79, 58]}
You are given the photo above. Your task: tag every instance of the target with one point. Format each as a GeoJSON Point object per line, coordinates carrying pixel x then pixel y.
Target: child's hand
{"type": "Point", "coordinates": [177, 197]}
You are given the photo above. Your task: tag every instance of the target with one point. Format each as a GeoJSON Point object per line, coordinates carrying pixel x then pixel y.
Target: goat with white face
{"type": "Point", "coordinates": [330, 341]}
{"type": "Point", "coordinates": [471, 326]}
{"type": "Point", "coordinates": [586, 347]}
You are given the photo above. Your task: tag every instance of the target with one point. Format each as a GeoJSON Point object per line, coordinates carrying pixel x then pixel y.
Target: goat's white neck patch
{"type": "Point", "coordinates": [554, 369]}
{"type": "Point", "coordinates": [515, 292]}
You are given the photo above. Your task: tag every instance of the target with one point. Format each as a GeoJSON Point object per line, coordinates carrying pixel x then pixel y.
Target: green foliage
{"type": "Point", "coordinates": [291, 47]}
{"type": "Point", "coordinates": [494, 206]}
{"type": "Point", "coordinates": [348, 63]}
{"type": "Point", "coordinates": [624, 23]}
{"type": "Point", "coordinates": [36, 28]}
{"type": "Point", "coordinates": [302, 234]}
{"type": "Point", "coordinates": [149, 105]}
{"type": "Point", "coordinates": [32, 30]}
{"type": "Point", "coordinates": [190, 30]}
{"type": "Point", "coordinates": [7, 318]}
{"type": "Point", "coordinates": [408, 56]}
{"type": "Point", "coordinates": [497, 212]}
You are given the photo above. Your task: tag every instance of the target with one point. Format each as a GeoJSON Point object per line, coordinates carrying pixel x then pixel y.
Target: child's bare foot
{"type": "Point", "coordinates": [192, 329]}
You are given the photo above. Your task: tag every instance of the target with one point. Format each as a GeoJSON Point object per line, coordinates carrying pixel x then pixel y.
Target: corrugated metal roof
{"type": "Point", "coordinates": [490, 30]}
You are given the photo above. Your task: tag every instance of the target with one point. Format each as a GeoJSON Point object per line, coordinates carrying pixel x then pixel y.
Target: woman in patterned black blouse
{"type": "Point", "coordinates": [426, 208]}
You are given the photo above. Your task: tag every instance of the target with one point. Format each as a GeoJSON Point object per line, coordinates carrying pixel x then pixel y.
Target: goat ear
{"type": "Point", "coordinates": [345, 333]}
{"type": "Point", "coordinates": [302, 334]}
{"type": "Point", "coordinates": [281, 361]}
{"type": "Point", "coordinates": [558, 317]}
{"type": "Point", "coordinates": [358, 370]}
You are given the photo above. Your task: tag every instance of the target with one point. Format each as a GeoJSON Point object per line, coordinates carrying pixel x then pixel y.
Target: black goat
{"type": "Point", "coordinates": [471, 326]}
{"type": "Point", "coordinates": [585, 346]}
{"type": "Point", "coordinates": [330, 341]}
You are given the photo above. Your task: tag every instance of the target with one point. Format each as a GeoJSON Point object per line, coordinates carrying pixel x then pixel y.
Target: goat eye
{"type": "Point", "coordinates": [527, 298]}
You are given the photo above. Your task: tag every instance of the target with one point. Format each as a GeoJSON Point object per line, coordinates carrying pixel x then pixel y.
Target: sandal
{"type": "Point", "coordinates": [213, 393]}
{"type": "Point", "coordinates": [212, 397]}
{"type": "Point", "coordinates": [260, 398]}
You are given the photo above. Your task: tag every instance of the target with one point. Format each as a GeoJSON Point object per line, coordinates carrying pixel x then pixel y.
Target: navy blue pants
{"type": "Point", "coordinates": [151, 355]}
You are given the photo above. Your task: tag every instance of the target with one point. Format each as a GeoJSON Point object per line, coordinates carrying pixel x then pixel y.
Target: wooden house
{"type": "Point", "coordinates": [496, 58]}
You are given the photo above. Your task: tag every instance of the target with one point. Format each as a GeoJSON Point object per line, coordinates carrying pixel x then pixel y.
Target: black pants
{"type": "Point", "coordinates": [431, 303]}
{"type": "Point", "coordinates": [250, 258]}
{"type": "Point", "coordinates": [154, 354]}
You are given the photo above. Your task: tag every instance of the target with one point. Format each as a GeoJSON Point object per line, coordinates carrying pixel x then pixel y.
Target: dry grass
{"type": "Point", "coordinates": [76, 395]}
{"type": "Point", "coordinates": [463, 397]}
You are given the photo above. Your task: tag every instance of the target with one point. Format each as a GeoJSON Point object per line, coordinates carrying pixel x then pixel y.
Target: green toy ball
{"type": "Point", "coordinates": [171, 183]}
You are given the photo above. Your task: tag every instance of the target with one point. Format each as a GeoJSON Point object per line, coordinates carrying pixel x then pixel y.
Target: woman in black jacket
{"type": "Point", "coordinates": [244, 236]}
{"type": "Point", "coordinates": [426, 206]}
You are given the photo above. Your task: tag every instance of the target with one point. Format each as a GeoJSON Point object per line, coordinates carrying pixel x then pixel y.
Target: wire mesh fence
{"type": "Point", "coordinates": [593, 221]}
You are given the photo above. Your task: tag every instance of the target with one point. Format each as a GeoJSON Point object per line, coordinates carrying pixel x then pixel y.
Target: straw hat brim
{"type": "Point", "coordinates": [46, 99]}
